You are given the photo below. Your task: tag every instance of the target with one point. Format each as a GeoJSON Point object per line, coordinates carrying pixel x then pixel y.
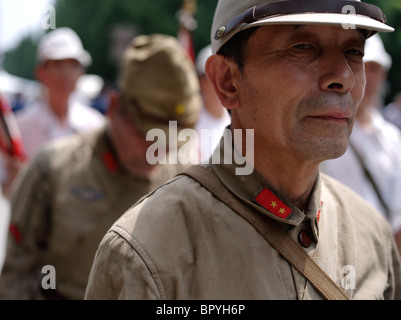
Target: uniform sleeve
{"type": "Point", "coordinates": [120, 272]}
{"type": "Point", "coordinates": [28, 232]}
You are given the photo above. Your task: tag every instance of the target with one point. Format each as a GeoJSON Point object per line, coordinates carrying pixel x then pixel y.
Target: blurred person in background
{"type": "Point", "coordinates": [214, 118]}
{"type": "Point", "coordinates": [18, 102]}
{"type": "Point", "coordinates": [392, 112]}
{"type": "Point", "coordinates": [371, 165]}
{"type": "Point", "coordinates": [61, 61]}
{"type": "Point", "coordinates": [76, 187]}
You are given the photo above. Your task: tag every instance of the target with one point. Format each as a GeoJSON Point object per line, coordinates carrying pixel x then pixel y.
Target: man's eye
{"type": "Point", "coordinates": [303, 46]}
{"type": "Point", "coordinates": [355, 52]}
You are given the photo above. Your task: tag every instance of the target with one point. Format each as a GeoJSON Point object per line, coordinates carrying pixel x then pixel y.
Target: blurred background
{"type": "Point", "coordinates": [106, 27]}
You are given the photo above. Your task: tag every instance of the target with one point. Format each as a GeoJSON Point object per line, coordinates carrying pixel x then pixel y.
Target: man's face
{"type": "Point", "coordinates": [300, 89]}
{"type": "Point", "coordinates": [129, 143]}
{"type": "Point", "coordinates": [60, 76]}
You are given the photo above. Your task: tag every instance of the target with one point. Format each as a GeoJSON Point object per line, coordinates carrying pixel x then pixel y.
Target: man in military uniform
{"type": "Point", "coordinates": [291, 71]}
{"type": "Point", "coordinates": [77, 187]}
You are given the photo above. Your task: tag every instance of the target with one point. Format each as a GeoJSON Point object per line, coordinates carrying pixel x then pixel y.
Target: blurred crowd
{"type": "Point", "coordinates": [72, 156]}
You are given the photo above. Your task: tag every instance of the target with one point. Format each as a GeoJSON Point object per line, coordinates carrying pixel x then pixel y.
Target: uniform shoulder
{"type": "Point", "coordinates": [354, 205]}
{"type": "Point", "coordinates": [166, 208]}
{"type": "Point", "coordinates": [343, 193]}
{"type": "Point", "coordinates": [61, 151]}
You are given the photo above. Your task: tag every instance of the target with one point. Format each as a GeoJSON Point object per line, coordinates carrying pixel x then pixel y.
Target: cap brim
{"type": "Point", "coordinates": [347, 21]}
{"type": "Point", "coordinates": [83, 58]}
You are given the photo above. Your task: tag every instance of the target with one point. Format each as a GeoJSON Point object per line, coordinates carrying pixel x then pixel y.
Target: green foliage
{"type": "Point", "coordinates": [20, 60]}
{"type": "Point", "coordinates": [94, 20]}
{"type": "Point", "coordinates": [392, 43]}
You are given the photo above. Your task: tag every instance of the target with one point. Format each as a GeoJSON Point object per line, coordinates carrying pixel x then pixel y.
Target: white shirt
{"type": "Point", "coordinates": [38, 124]}
{"type": "Point", "coordinates": [392, 113]}
{"type": "Point", "coordinates": [380, 149]}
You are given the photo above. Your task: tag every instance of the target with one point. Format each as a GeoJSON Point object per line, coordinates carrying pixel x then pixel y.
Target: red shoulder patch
{"type": "Point", "coordinates": [110, 161]}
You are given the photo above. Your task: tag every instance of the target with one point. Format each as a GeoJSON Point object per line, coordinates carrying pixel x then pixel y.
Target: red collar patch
{"type": "Point", "coordinates": [110, 161]}
{"type": "Point", "coordinates": [273, 204]}
{"type": "Point", "coordinates": [16, 234]}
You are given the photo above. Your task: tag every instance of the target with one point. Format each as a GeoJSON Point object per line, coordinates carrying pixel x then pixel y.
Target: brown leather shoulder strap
{"type": "Point", "coordinates": [272, 232]}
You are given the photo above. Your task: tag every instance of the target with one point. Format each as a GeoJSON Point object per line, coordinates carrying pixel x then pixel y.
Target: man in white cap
{"type": "Point", "coordinates": [371, 166]}
{"type": "Point", "coordinates": [292, 71]}
{"type": "Point", "coordinates": [61, 61]}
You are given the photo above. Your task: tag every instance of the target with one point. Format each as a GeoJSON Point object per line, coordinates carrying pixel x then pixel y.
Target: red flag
{"type": "Point", "coordinates": [187, 24]}
{"type": "Point", "coordinates": [186, 39]}
{"type": "Point", "coordinates": [10, 137]}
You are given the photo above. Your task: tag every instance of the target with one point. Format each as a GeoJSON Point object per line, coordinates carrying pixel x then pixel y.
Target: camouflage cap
{"type": "Point", "coordinates": [159, 83]}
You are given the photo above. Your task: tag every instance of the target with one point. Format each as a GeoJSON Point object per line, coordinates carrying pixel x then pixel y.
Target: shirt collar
{"type": "Point", "coordinates": [259, 194]}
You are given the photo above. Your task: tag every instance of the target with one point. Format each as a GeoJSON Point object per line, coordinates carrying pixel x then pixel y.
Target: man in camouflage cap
{"type": "Point", "coordinates": [292, 72]}
{"type": "Point", "coordinates": [76, 188]}
{"type": "Point", "coordinates": [157, 97]}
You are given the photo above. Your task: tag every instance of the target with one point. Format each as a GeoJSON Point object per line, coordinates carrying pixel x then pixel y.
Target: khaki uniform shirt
{"type": "Point", "coordinates": [180, 242]}
{"type": "Point", "coordinates": [66, 201]}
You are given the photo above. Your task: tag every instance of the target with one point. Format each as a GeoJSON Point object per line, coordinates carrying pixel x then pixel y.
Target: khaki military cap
{"type": "Point", "coordinates": [159, 83]}
{"type": "Point", "coordinates": [233, 16]}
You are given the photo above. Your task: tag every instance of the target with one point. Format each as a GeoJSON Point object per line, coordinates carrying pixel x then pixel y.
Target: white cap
{"type": "Point", "coordinates": [60, 44]}
{"type": "Point", "coordinates": [201, 59]}
{"type": "Point", "coordinates": [232, 17]}
{"type": "Point", "coordinates": [375, 52]}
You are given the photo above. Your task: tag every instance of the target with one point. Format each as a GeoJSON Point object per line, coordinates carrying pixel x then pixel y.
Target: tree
{"type": "Point", "coordinates": [392, 43]}
{"type": "Point", "coordinates": [20, 60]}
{"type": "Point", "coordinates": [97, 22]}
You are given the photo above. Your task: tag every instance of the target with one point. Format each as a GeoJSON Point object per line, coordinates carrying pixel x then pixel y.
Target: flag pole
{"type": "Point", "coordinates": [187, 24]}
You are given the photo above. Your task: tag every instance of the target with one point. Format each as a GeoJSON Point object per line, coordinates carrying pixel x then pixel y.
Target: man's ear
{"type": "Point", "coordinates": [223, 75]}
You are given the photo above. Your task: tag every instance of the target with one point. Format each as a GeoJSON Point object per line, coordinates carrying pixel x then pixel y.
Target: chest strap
{"type": "Point", "coordinates": [272, 232]}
